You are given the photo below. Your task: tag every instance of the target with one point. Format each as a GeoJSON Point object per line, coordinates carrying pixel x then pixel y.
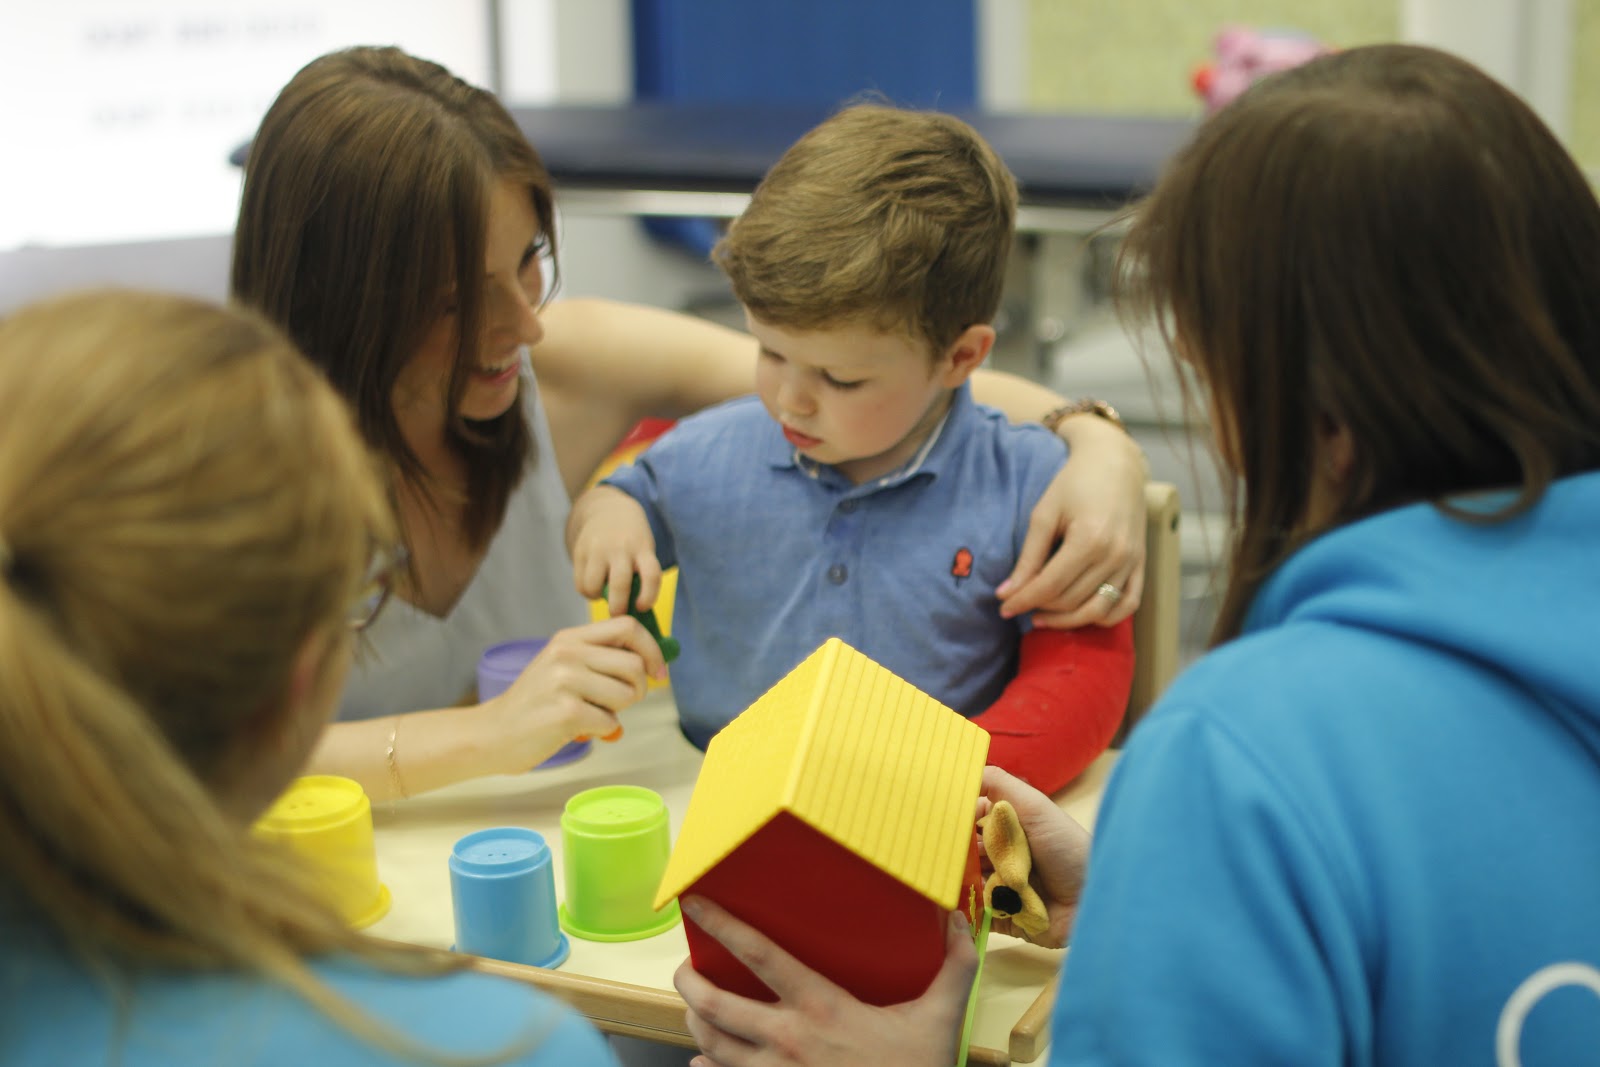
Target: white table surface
{"type": "Point", "coordinates": [414, 838]}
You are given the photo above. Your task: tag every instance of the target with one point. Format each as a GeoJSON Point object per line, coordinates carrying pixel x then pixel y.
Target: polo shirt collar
{"type": "Point", "coordinates": [945, 441]}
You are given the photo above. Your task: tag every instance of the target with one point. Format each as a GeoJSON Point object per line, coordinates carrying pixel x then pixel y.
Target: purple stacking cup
{"type": "Point", "coordinates": [499, 667]}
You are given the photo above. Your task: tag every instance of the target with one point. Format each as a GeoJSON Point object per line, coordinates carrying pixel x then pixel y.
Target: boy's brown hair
{"type": "Point", "coordinates": [900, 219]}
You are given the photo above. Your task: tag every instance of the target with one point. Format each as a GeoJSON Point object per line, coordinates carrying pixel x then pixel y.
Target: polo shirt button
{"type": "Point", "coordinates": [847, 506]}
{"type": "Point", "coordinates": [837, 574]}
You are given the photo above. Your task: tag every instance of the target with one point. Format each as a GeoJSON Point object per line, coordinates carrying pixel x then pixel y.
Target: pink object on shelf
{"type": "Point", "coordinates": [1244, 55]}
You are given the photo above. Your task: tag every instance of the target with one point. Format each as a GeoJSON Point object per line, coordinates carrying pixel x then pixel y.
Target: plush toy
{"type": "Point", "coordinates": [1244, 55]}
{"type": "Point", "coordinates": [1007, 891]}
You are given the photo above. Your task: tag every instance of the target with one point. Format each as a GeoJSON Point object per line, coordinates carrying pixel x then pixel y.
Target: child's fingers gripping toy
{"type": "Point", "coordinates": [647, 619]}
{"type": "Point", "coordinates": [1007, 892]}
{"type": "Point", "coordinates": [669, 645]}
{"type": "Point", "coordinates": [639, 439]}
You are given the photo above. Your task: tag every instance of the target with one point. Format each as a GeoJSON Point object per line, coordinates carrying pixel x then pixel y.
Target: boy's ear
{"type": "Point", "coordinates": [966, 354]}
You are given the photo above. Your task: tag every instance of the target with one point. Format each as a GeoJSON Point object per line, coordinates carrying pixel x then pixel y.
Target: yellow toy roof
{"type": "Point", "coordinates": [855, 752]}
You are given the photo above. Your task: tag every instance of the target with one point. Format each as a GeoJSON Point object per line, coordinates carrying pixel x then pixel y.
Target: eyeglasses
{"type": "Point", "coordinates": [377, 585]}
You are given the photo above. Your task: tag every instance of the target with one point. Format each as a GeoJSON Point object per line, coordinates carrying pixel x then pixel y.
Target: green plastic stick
{"type": "Point", "coordinates": [981, 942]}
{"type": "Point", "coordinates": [669, 645]}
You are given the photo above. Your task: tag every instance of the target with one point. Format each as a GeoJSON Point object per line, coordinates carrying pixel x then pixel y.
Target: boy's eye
{"type": "Point", "coordinates": [837, 384]}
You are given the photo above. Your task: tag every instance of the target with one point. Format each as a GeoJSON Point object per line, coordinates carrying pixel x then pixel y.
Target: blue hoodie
{"type": "Point", "coordinates": [58, 1011]}
{"type": "Point", "coordinates": [1368, 830]}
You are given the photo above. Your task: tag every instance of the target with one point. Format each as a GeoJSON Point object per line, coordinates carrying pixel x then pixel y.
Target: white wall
{"type": "Point", "coordinates": [1003, 54]}
{"type": "Point", "coordinates": [119, 114]}
{"type": "Point", "coordinates": [123, 180]}
{"type": "Point", "coordinates": [1527, 44]}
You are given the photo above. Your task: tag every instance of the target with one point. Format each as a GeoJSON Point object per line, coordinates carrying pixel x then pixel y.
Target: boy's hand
{"type": "Point", "coordinates": [610, 541]}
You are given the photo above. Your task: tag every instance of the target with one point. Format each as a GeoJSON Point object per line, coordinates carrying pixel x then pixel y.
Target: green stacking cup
{"type": "Point", "coordinates": [614, 847]}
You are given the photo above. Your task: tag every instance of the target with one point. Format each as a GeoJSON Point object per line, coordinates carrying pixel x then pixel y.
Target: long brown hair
{"type": "Point", "coordinates": [897, 218]}
{"type": "Point", "coordinates": [1387, 240]}
{"type": "Point", "coordinates": [365, 202]}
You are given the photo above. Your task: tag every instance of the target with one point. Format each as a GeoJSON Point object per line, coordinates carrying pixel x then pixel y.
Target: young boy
{"type": "Point", "coordinates": [861, 493]}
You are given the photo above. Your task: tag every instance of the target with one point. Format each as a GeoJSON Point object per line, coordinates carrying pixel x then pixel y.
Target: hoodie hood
{"type": "Point", "coordinates": [1521, 595]}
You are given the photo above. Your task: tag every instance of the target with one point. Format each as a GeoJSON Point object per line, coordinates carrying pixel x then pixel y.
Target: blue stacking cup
{"type": "Point", "coordinates": [503, 892]}
{"type": "Point", "coordinates": [499, 667]}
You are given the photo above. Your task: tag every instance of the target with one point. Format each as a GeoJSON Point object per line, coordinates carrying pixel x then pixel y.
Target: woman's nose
{"type": "Point", "coordinates": [517, 312]}
{"type": "Point", "coordinates": [530, 328]}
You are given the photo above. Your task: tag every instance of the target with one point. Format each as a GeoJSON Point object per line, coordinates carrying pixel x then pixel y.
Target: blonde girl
{"type": "Point", "coordinates": [190, 531]}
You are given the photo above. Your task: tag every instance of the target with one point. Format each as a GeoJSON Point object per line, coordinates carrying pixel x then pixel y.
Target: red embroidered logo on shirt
{"type": "Point", "coordinates": [961, 566]}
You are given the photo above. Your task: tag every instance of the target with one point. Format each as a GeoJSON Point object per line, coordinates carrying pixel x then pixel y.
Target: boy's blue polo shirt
{"type": "Point", "coordinates": [776, 554]}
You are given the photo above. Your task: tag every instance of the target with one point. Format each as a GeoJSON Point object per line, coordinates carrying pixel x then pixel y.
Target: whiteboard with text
{"type": "Point", "coordinates": [117, 116]}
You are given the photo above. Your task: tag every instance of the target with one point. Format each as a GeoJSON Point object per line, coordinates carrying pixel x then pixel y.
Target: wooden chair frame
{"type": "Point", "coordinates": [1155, 624]}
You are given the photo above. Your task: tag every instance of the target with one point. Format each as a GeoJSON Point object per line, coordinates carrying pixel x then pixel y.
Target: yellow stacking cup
{"type": "Point", "coordinates": [614, 847]}
{"type": "Point", "coordinates": [326, 821]}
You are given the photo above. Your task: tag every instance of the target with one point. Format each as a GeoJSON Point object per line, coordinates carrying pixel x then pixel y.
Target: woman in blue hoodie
{"type": "Point", "coordinates": [1362, 829]}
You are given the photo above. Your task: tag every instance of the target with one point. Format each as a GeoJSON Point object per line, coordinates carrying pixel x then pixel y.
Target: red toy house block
{"type": "Point", "coordinates": [836, 815]}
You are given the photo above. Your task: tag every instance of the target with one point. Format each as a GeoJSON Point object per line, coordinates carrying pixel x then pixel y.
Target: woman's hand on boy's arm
{"type": "Point", "coordinates": [609, 539]}
{"type": "Point", "coordinates": [1086, 531]}
{"type": "Point", "coordinates": [814, 1021]}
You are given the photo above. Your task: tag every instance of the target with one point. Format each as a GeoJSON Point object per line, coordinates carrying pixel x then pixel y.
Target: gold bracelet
{"type": "Point", "coordinates": [394, 764]}
{"type": "Point", "coordinates": [1087, 405]}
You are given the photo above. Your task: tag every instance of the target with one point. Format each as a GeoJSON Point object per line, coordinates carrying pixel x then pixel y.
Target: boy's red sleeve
{"type": "Point", "coordinates": [1064, 705]}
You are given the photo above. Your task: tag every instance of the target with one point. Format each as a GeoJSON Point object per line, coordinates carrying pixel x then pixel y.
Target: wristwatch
{"type": "Point", "coordinates": [1085, 405]}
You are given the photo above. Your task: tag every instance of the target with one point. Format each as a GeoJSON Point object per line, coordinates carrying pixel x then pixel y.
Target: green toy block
{"type": "Point", "coordinates": [669, 645]}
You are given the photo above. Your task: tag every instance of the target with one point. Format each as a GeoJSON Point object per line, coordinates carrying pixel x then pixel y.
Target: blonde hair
{"type": "Point", "coordinates": [184, 503]}
{"type": "Point", "coordinates": [901, 219]}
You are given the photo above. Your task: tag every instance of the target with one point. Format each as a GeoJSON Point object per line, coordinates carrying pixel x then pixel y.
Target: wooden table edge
{"type": "Point", "coordinates": [640, 1011]}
